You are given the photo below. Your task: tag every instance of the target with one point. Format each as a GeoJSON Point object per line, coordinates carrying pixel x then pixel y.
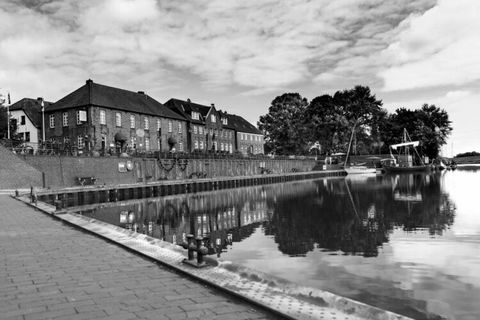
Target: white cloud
{"type": "Point", "coordinates": [437, 48]}
{"type": "Point", "coordinates": [257, 46]}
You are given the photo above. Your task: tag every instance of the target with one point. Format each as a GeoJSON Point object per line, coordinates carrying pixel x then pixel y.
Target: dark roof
{"type": "Point", "coordinates": [114, 98]}
{"type": "Point", "coordinates": [241, 125]}
{"type": "Point", "coordinates": [224, 114]}
{"type": "Point", "coordinates": [186, 107]}
{"type": "Point", "coordinates": [32, 109]}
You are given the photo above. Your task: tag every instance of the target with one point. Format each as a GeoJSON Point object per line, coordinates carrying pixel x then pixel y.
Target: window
{"type": "Point", "coordinates": [132, 121]}
{"type": "Point", "coordinates": [159, 125]}
{"type": "Point", "coordinates": [215, 146]}
{"type": "Point", "coordinates": [195, 115]}
{"type": "Point", "coordinates": [80, 142]}
{"type": "Point", "coordinates": [27, 136]}
{"type": "Point", "coordinates": [201, 144]}
{"type": "Point", "coordinates": [180, 146]}
{"type": "Point", "coordinates": [22, 120]}
{"type": "Point", "coordinates": [231, 148]}
{"type": "Point", "coordinates": [195, 131]}
{"type": "Point", "coordinates": [132, 142]}
{"type": "Point", "coordinates": [169, 126]}
{"type": "Point", "coordinates": [78, 118]}
{"type": "Point", "coordinates": [147, 144]}
{"type": "Point", "coordinates": [118, 119]}
{"type": "Point", "coordinates": [65, 119]}
{"type": "Point", "coordinates": [179, 127]}
{"type": "Point", "coordinates": [103, 117]}
{"type": "Point", "coordinates": [213, 118]}
{"type": "Point", "coordinates": [195, 144]}
{"type": "Point", "coordinates": [146, 124]}
{"type": "Point", "coordinates": [224, 120]}
{"type": "Point", "coordinates": [52, 121]}
{"type": "Point", "coordinates": [221, 146]}
{"type": "Point", "coordinates": [200, 130]}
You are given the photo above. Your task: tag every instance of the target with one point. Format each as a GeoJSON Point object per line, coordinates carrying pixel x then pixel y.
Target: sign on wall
{"type": "Point", "coordinates": [122, 167]}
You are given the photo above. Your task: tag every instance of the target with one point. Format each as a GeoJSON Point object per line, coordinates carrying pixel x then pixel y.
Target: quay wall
{"type": "Point", "coordinates": [64, 171]}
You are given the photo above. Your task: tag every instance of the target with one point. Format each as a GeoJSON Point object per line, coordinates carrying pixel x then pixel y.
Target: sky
{"type": "Point", "coordinates": [240, 55]}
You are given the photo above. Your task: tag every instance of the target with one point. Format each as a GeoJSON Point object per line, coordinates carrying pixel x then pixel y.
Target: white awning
{"type": "Point", "coordinates": [405, 144]}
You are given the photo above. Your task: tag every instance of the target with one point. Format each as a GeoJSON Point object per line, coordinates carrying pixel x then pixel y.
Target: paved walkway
{"type": "Point", "coordinates": [49, 270]}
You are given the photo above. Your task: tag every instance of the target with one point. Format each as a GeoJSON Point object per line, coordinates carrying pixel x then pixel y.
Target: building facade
{"type": "Point", "coordinates": [103, 118]}
{"type": "Point", "coordinates": [208, 129]}
{"type": "Point", "coordinates": [26, 116]}
{"type": "Point", "coordinates": [248, 139]}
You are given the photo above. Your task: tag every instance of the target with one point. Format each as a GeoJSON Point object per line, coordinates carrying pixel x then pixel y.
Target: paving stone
{"type": "Point", "coordinates": [50, 270]}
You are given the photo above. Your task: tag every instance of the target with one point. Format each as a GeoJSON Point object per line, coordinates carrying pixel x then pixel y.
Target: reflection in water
{"type": "Point", "coordinates": [361, 237]}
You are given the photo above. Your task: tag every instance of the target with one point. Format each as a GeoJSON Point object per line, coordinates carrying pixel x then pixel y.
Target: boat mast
{"type": "Point", "coordinates": [350, 143]}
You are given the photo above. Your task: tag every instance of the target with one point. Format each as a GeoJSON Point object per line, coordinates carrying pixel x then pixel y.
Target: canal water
{"type": "Point", "coordinates": [406, 243]}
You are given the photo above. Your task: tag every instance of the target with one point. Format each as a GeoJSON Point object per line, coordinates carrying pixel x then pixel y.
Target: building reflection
{"type": "Point", "coordinates": [339, 215]}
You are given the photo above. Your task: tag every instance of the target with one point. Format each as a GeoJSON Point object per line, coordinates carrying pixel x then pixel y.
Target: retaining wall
{"type": "Point", "coordinates": [64, 171]}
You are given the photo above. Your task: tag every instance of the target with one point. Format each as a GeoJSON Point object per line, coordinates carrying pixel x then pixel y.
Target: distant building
{"type": "Point", "coordinates": [249, 140]}
{"type": "Point", "coordinates": [208, 130]}
{"type": "Point", "coordinates": [99, 117]}
{"type": "Point", "coordinates": [26, 115]}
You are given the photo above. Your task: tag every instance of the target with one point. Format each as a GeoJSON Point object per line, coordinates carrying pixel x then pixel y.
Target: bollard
{"type": "Point", "coordinates": [17, 194]}
{"type": "Point", "coordinates": [195, 245]}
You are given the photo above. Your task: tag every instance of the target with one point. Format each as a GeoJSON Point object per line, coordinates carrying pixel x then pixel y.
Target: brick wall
{"type": "Point", "coordinates": [63, 171]}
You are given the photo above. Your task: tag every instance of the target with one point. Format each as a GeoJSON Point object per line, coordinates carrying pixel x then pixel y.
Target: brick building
{"type": "Point", "coordinates": [99, 117]}
{"type": "Point", "coordinates": [207, 127]}
{"type": "Point", "coordinates": [248, 139]}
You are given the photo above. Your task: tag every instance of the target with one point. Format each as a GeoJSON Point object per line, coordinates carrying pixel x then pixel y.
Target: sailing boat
{"type": "Point", "coordinates": [405, 163]}
{"type": "Point", "coordinates": [359, 168]}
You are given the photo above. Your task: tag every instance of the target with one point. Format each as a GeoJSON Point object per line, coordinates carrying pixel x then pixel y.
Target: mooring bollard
{"type": "Point", "coordinates": [195, 245]}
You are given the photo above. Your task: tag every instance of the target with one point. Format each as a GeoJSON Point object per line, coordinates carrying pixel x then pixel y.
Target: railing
{"type": "Point", "coordinates": [65, 149]}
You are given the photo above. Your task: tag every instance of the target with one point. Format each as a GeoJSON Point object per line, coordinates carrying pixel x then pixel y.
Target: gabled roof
{"type": "Point", "coordinates": [32, 109]}
{"type": "Point", "coordinates": [239, 124]}
{"type": "Point", "coordinates": [113, 98]}
{"type": "Point", "coordinates": [224, 114]}
{"type": "Point", "coordinates": [186, 107]}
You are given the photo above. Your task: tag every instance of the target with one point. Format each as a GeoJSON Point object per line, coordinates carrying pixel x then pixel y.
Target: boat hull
{"type": "Point", "coordinates": [392, 169]}
{"type": "Point", "coordinates": [360, 170]}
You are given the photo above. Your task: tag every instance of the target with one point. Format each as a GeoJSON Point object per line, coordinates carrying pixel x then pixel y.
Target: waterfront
{"type": "Point", "coordinates": [404, 243]}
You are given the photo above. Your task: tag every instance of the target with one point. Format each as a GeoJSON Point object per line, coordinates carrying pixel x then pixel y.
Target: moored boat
{"type": "Point", "coordinates": [405, 161]}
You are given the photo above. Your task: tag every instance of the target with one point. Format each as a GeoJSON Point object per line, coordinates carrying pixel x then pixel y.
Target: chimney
{"type": "Point", "coordinates": [39, 99]}
{"type": "Point", "coordinates": [188, 100]}
{"type": "Point", "coordinates": [213, 105]}
{"type": "Point", "coordinates": [141, 92]}
{"type": "Point", "coordinates": [89, 81]}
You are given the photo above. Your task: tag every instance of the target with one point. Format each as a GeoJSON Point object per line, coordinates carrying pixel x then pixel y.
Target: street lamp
{"type": "Point", "coordinates": [43, 121]}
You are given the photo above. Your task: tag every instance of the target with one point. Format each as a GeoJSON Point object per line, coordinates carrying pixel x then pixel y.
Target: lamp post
{"type": "Point", "coordinates": [43, 121]}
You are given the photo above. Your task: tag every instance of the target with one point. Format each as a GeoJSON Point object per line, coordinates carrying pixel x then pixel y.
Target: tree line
{"type": "Point", "coordinates": [293, 125]}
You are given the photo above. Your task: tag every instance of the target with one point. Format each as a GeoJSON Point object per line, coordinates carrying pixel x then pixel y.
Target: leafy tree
{"type": "Point", "coordinates": [332, 119]}
{"type": "Point", "coordinates": [429, 125]}
{"type": "Point", "coordinates": [283, 125]}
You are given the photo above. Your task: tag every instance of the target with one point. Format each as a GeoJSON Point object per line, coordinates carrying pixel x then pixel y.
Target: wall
{"type": "Point", "coordinates": [27, 127]}
{"type": "Point", "coordinates": [63, 171]}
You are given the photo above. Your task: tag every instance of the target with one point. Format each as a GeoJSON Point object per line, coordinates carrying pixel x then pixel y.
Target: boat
{"type": "Point", "coordinates": [359, 168]}
{"type": "Point", "coordinates": [404, 161]}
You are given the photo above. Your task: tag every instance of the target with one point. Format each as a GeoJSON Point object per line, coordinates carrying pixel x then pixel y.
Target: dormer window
{"type": "Point", "coordinates": [224, 120]}
{"type": "Point", "coordinates": [195, 115]}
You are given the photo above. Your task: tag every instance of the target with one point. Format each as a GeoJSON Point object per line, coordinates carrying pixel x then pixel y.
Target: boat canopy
{"type": "Point", "coordinates": [405, 144]}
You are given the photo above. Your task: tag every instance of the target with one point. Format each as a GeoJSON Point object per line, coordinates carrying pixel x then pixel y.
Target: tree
{"type": "Point", "coordinates": [283, 125]}
{"type": "Point", "coordinates": [429, 125]}
{"type": "Point", "coordinates": [331, 119]}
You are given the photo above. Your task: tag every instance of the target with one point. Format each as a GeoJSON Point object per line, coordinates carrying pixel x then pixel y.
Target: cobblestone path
{"type": "Point", "coordinates": [49, 270]}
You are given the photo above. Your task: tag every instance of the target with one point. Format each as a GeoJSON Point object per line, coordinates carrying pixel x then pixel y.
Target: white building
{"type": "Point", "coordinates": [26, 114]}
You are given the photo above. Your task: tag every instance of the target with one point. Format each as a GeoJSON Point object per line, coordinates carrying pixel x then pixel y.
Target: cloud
{"type": "Point", "coordinates": [254, 46]}
{"type": "Point", "coordinates": [437, 48]}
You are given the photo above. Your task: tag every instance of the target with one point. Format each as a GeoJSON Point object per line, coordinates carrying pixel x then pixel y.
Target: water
{"type": "Point", "coordinates": [406, 243]}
